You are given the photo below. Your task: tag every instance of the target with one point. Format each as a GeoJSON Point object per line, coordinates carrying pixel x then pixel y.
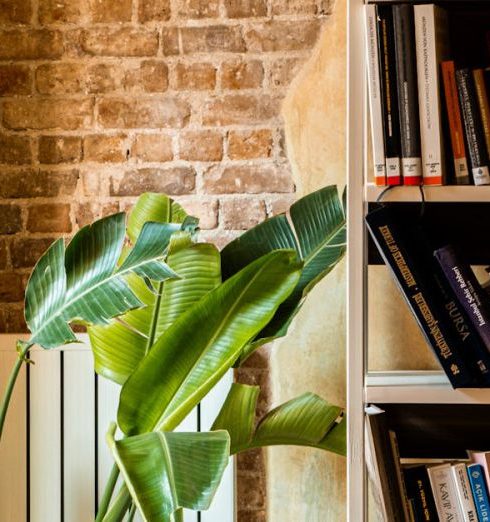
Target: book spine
{"type": "Point", "coordinates": [419, 293]}
{"type": "Point", "coordinates": [473, 126]}
{"type": "Point", "coordinates": [373, 74]}
{"type": "Point", "coordinates": [387, 66]}
{"type": "Point", "coordinates": [429, 32]}
{"type": "Point", "coordinates": [480, 493]}
{"type": "Point", "coordinates": [463, 491]}
{"type": "Point", "coordinates": [420, 494]}
{"type": "Point", "coordinates": [407, 510]}
{"type": "Point", "coordinates": [467, 289]}
{"type": "Point", "coordinates": [444, 491]}
{"type": "Point", "coordinates": [482, 97]}
{"type": "Point", "coordinates": [462, 174]}
{"type": "Point", "coordinates": [406, 73]}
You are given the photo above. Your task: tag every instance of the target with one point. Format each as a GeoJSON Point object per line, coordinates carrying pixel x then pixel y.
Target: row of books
{"type": "Point", "coordinates": [450, 305]}
{"type": "Point", "coordinates": [411, 491]}
{"type": "Point", "coordinates": [430, 119]}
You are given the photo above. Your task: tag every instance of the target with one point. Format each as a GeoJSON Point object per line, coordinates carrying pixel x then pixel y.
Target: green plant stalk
{"type": "Point", "coordinates": [132, 512]}
{"type": "Point", "coordinates": [108, 491]}
{"type": "Point", "coordinates": [22, 349]}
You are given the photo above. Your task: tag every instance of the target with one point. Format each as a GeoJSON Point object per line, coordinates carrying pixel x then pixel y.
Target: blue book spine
{"type": "Point", "coordinates": [480, 493]}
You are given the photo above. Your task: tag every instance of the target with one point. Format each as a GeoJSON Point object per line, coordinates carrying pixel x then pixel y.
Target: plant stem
{"type": "Point", "coordinates": [108, 491]}
{"type": "Point", "coordinates": [119, 507]}
{"type": "Point", "coordinates": [132, 512]}
{"type": "Point", "coordinates": [154, 319]}
{"type": "Point", "coordinates": [22, 349]}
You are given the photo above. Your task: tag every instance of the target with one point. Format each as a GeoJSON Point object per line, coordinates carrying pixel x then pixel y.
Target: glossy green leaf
{"type": "Point", "coordinates": [168, 471]}
{"type": "Point", "coordinates": [304, 421]}
{"type": "Point", "coordinates": [83, 283]}
{"type": "Point", "coordinates": [317, 234]}
{"type": "Point", "coordinates": [196, 351]}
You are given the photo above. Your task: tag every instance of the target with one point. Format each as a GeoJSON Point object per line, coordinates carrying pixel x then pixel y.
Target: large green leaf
{"type": "Point", "coordinates": [317, 234]}
{"type": "Point", "coordinates": [168, 471]}
{"type": "Point", "coordinates": [200, 346]}
{"type": "Point", "coordinates": [304, 421]}
{"type": "Point", "coordinates": [83, 282]}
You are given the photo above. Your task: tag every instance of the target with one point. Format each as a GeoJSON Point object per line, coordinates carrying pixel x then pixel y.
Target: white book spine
{"type": "Point", "coordinates": [373, 74]}
{"type": "Point", "coordinates": [463, 491]}
{"type": "Point", "coordinates": [444, 491]}
{"type": "Point", "coordinates": [426, 29]}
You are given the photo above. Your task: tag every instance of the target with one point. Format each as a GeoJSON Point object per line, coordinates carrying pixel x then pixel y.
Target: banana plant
{"type": "Point", "coordinates": [167, 317]}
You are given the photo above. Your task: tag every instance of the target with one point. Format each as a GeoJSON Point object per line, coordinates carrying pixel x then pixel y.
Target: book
{"type": "Point", "coordinates": [407, 508]}
{"type": "Point", "coordinates": [480, 492]}
{"type": "Point", "coordinates": [469, 293]}
{"type": "Point", "coordinates": [382, 468]}
{"type": "Point", "coordinates": [473, 127]}
{"type": "Point", "coordinates": [374, 88]}
{"type": "Point", "coordinates": [420, 494]}
{"type": "Point", "coordinates": [444, 491]}
{"type": "Point", "coordinates": [432, 46]}
{"type": "Point", "coordinates": [482, 458]}
{"type": "Point", "coordinates": [453, 108]}
{"type": "Point", "coordinates": [464, 493]}
{"type": "Point", "coordinates": [482, 97]}
{"type": "Point", "coordinates": [408, 105]}
{"type": "Point", "coordinates": [389, 96]}
{"type": "Point", "coordinates": [408, 263]}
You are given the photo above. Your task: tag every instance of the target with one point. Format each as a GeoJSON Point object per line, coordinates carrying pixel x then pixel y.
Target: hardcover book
{"type": "Point", "coordinates": [463, 491]}
{"type": "Point", "coordinates": [408, 103]}
{"type": "Point", "coordinates": [480, 492]}
{"type": "Point", "coordinates": [482, 97]}
{"type": "Point", "coordinates": [420, 494]}
{"type": "Point", "coordinates": [444, 491]}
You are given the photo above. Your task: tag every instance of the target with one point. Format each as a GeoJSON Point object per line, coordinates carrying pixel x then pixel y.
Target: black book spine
{"type": "Point", "coordinates": [408, 99]}
{"type": "Point", "coordinates": [420, 292]}
{"type": "Point", "coordinates": [389, 96]}
{"type": "Point", "coordinates": [420, 493]}
{"type": "Point", "coordinates": [475, 135]}
{"type": "Point", "coordinates": [468, 291]}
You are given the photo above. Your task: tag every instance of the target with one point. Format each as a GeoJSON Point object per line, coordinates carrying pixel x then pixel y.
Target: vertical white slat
{"type": "Point", "coordinates": [223, 507]}
{"type": "Point", "coordinates": [79, 435]}
{"type": "Point", "coordinates": [13, 467]}
{"type": "Point", "coordinates": [45, 436]}
{"type": "Point", "coordinates": [107, 401]}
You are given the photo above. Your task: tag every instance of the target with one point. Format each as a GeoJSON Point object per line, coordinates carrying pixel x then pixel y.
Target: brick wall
{"type": "Point", "coordinates": [104, 99]}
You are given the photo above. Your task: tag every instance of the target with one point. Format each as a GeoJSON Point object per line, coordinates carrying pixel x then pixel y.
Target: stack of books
{"type": "Point", "coordinates": [412, 490]}
{"type": "Point", "coordinates": [430, 116]}
{"type": "Point", "coordinates": [450, 305]}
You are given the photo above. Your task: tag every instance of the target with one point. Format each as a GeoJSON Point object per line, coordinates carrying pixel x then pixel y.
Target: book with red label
{"type": "Point", "coordinates": [453, 108]}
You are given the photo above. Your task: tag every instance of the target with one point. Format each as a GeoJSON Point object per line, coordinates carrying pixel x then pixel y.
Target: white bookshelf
{"type": "Point", "coordinates": [397, 387]}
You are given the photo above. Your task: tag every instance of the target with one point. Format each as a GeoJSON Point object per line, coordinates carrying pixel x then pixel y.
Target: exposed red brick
{"type": "Point", "coordinates": [245, 8]}
{"type": "Point", "coordinates": [23, 44]}
{"type": "Point", "coordinates": [173, 181]}
{"type": "Point", "coordinates": [60, 78]}
{"type": "Point", "coordinates": [10, 219]}
{"type": "Point", "coordinates": [282, 35]}
{"type": "Point", "coordinates": [152, 113]}
{"type": "Point", "coordinates": [253, 461]}
{"type": "Point", "coordinates": [170, 41]}
{"type": "Point", "coordinates": [60, 11]}
{"type": "Point", "coordinates": [199, 9]}
{"type": "Point", "coordinates": [15, 80]}
{"type": "Point", "coordinates": [239, 109]}
{"type": "Point", "coordinates": [195, 76]}
{"type": "Point", "coordinates": [103, 148]}
{"type": "Point", "coordinates": [60, 149]}
{"type": "Point", "coordinates": [15, 150]}
{"type": "Point", "coordinates": [283, 71]}
{"type": "Point", "coordinates": [49, 217]}
{"type": "Point", "coordinates": [289, 7]}
{"type": "Point", "coordinates": [110, 10]}
{"type": "Point", "coordinates": [25, 252]}
{"type": "Point", "coordinates": [30, 183]}
{"type": "Point", "coordinates": [250, 144]}
{"type": "Point", "coordinates": [102, 78]}
{"type": "Point", "coordinates": [124, 41]}
{"type": "Point", "coordinates": [15, 12]}
{"type": "Point", "coordinates": [38, 113]}
{"type": "Point", "coordinates": [201, 146]}
{"type": "Point", "coordinates": [12, 319]}
{"type": "Point", "coordinates": [279, 204]}
{"type": "Point", "coordinates": [223, 38]}
{"type": "Point", "coordinates": [248, 179]}
{"type": "Point", "coordinates": [11, 287]}
{"type": "Point", "coordinates": [245, 515]}
{"type": "Point", "coordinates": [3, 254]}
{"type": "Point", "coordinates": [153, 10]}
{"type": "Point", "coordinates": [248, 494]}
{"type": "Point", "coordinates": [206, 211]}
{"type": "Point", "coordinates": [242, 75]}
{"type": "Point", "coordinates": [88, 212]}
{"type": "Point", "coordinates": [241, 214]}
{"type": "Point", "coordinates": [152, 147]}
{"type": "Point", "coordinates": [149, 76]}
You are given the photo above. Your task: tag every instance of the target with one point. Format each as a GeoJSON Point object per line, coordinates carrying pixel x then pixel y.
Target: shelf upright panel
{"type": "Point", "coordinates": [356, 106]}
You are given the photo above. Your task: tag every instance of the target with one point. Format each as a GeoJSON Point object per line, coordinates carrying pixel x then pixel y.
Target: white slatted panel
{"type": "Point", "coordinates": [223, 507]}
{"type": "Point", "coordinates": [79, 435]}
{"type": "Point", "coordinates": [13, 459]}
{"type": "Point", "coordinates": [45, 436]}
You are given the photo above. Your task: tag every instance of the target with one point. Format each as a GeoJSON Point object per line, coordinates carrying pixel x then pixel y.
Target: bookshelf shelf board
{"type": "Point", "coordinates": [422, 387]}
{"type": "Point", "coordinates": [448, 193]}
